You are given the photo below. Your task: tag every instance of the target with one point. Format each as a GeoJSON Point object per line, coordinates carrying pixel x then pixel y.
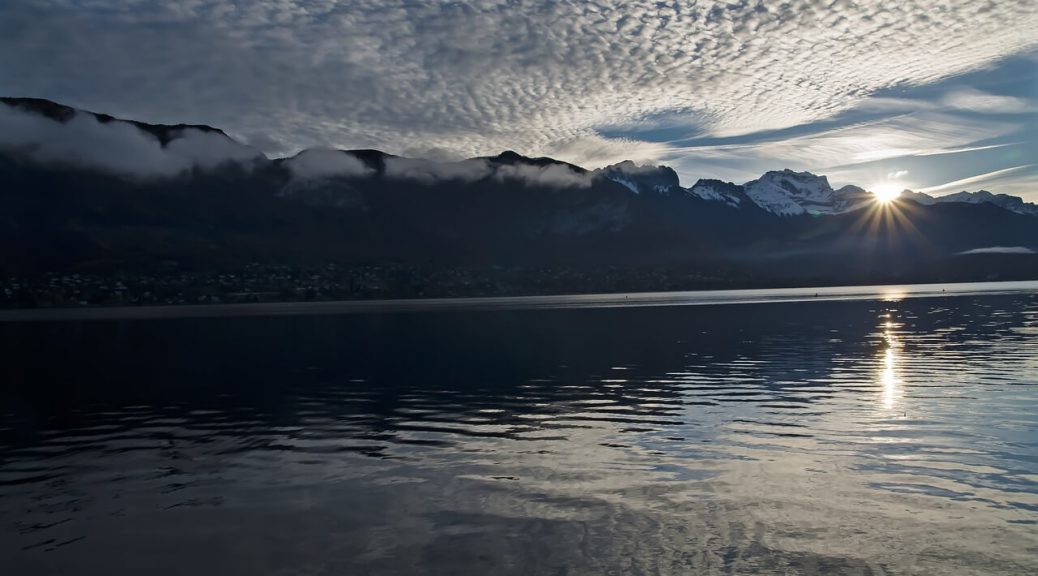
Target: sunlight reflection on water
{"type": "Point", "coordinates": [889, 380]}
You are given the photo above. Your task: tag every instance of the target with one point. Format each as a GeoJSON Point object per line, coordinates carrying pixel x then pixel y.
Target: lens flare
{"type": "Point", "coordinates": [886, 192]}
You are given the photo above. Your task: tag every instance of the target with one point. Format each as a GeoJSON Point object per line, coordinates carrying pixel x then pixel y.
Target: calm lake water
{"type": "Point", "coordinates": [844, 436]}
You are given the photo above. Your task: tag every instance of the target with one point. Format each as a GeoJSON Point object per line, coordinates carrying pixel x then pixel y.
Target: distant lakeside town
{"type": "Point", "coordinates": [276, 283]}
{"type": "Point", "coordinates": [266, 283]}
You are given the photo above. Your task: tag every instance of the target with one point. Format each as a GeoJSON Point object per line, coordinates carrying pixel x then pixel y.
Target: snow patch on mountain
{"type": "Point", "coordinates": [717, 191]}
{"type": "Point", "coordinates": [624, 182]}
{"type": "Point", "coordinates": [918, 198]}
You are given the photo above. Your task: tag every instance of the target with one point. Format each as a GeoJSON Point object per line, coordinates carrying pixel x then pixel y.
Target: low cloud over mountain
{"type": "Point", "coordinates": [50, 133]}
{"type": "Point", "coordinates": [47, 132]}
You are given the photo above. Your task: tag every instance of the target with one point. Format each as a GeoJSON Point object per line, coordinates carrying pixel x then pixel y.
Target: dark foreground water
{"type": "Point", "coordinates": [824, 437]}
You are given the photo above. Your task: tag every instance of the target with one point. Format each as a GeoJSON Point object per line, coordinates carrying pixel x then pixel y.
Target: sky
{"type": "Point", "coordinates": [933, 95]}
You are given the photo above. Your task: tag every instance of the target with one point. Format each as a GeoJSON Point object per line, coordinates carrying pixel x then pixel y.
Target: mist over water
{"type": "Point", "coordinates": [828, 437]}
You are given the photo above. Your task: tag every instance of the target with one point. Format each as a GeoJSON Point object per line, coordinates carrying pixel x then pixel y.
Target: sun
{"type": "Point", "coordinates": [886, 192]}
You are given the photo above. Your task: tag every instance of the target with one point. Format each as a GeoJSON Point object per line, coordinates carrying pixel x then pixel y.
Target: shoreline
{"type": "Point", "coordinates": [491, 303]}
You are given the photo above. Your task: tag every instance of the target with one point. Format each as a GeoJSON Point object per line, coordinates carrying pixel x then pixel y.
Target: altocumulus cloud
{"type": "Point", "coordinates": [477, 77]}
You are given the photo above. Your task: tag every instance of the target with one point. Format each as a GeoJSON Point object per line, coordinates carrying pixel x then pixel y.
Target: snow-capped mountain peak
{"type": "Point", "coordinates": [1005, 201]}
{"type": "Point", "coordinates": [640, 179]}
{"type": "Point", "coordinates": [778, 191]}
{"type": "Point", "coordinates": [789, 193]}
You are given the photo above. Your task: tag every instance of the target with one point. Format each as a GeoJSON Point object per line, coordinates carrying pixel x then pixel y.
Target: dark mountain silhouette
{"type": "Point", "coordinates": [228, 208]}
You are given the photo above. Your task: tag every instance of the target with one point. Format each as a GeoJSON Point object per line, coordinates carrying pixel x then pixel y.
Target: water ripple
{"type": "Point", "coordinates": [822, 437]}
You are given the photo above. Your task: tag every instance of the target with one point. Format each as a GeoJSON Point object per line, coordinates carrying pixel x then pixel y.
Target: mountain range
{"type": "Point", "coordinates": [86, 191]}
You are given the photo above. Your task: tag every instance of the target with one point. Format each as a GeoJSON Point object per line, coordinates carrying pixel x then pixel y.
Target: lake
{"type": "Point", "coordinates": [811, 431]}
